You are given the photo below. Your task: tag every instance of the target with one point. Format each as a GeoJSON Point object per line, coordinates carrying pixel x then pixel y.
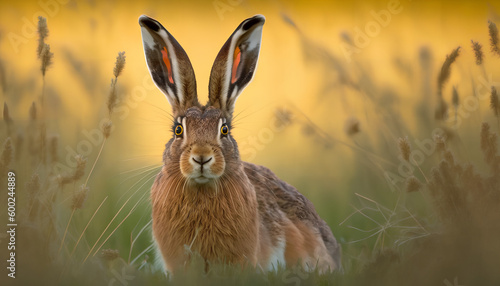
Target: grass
{"type": "Point", "coordinates": [409, 217]}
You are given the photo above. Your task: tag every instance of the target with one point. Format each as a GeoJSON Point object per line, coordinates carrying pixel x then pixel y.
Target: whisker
{"type": "Point", "coordinates": [164, 111]}
{"type": "Point", "coordinates": [146, 174]}
{"type": "Point", "coordinates": [141, 168]}
{"type": "Point", "coordinates": [139, 157]}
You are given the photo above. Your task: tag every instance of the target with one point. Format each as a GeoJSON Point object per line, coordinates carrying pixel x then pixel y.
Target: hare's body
{"type": "Point", "coordinates": [220, 224]}
{"type": "Point", "coordinates": [205, 199]}
{"type": "Point", "coordinates": [252, 217]}
{"type": "Point", "coordinates": [292, 231]}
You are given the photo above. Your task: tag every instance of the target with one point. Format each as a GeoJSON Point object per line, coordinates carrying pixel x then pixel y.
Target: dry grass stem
{"type": "Point", "coordinates": [455, 100]}
{"type": "Point", "coordinates": [66, 231]}
{"type": "Point", "coordinates": [441, 112]}
{"type": "Point", "coordinates": [53, 147]}
{"type": "Point", "coordinates": [33, 112]}
{"type": "Point", "coordinates": [19, 142]}
{"type": "Point", "coordinates": [43, 143]}
{"type": "Point", "coordinates": [104, 231]}
{"type": "Point", "coordinates": [95, 162]}
{"type": "Point", "coordinates": [33, 185]}
{"type": "Point", "coordinates": [88, 223]}
{"type": "Point", "coordinates": [113, 97]}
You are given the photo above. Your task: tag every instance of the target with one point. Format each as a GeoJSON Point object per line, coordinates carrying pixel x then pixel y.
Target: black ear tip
{"type": "Point", "coordinates": [145, 21]}
{"type": "Point", "coordinates": [257, 19]}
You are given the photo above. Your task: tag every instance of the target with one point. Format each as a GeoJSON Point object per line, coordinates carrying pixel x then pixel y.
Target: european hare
{"type": "Point", "coordinates": [204, 195]}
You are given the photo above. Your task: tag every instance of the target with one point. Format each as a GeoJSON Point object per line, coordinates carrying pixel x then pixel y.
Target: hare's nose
{"type": "Point", "coordinates": [200, 160]}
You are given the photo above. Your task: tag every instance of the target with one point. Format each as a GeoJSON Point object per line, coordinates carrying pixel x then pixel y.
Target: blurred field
{"type": "Point", "coordinates": [330, 111]}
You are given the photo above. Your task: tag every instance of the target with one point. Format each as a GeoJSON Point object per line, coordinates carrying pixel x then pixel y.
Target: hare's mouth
{"type": "Point", "coordinates": [201, 179]}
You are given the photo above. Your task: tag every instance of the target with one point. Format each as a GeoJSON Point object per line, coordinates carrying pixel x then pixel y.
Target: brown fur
{"type": "Point", "coordinates": [309, 240]}
{"type": "Point", "coordinates": [219, 223]}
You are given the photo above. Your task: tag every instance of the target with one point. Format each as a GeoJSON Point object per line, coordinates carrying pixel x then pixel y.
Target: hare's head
{"type": "Point", "coordinates": [202, 148]}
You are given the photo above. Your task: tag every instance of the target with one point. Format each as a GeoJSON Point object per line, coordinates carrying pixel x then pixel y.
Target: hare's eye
{"type": "Point", "coordinates": [224, 129]}
{"type": "Point", "coordinates": [178, 130]}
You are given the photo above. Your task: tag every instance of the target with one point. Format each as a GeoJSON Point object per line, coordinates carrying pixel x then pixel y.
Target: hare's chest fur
{"type": "Point", "coordinates": [220, 226]}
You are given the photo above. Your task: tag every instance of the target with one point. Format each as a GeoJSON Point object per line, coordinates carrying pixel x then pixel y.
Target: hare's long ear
{"type": "Point", "coordinates": [235, 64]}
{"type": "Point", "coordinates": [169, 65]}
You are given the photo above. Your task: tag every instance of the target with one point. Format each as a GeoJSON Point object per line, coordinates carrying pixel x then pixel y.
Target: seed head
{"type": "Point", "coordinates": [110, 254]}
{"type": "Point", "coordinates": [81, 162]}
{"type": "Point", "coordinates": [444, 74]}
{"type": "Point", "coordinates": [43, 32]}
{"type": "Point", "coordinates": [119, 64]}
{"type": "Point", "coordinates": [308, 129]}
{"type": "Point", "coordinates": [493, 31]}
{"type": "Point", "coordinates": [7, 153]}
{"type": "Point", "coordinates": [477, 52]}
{"type": "Point", "coordinates": [413, 184]}
{"type": "Point", "coordinates": [494, 102]}
{"type": "Point", "coordinates": [46, 57]}
{"type": "Point", "coordinates": [404, 148]}
{"type": "Point", "coordinates": [106, 128]}
{"type": "Point", "coordinates": [79, 197]}
{"type": "Point", "coordinates": [351, 126]}
{"type": "Point", "coordinates": [440, 143]}
{"type": "Point", "coordinates": [283, 116]}
{"type": "Point", "coordinates": [6, 115]}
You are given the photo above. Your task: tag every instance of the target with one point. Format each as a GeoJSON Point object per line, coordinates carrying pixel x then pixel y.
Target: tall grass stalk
{"type": "Point", "coordinates": [112, 101]}
{"type": "Point", "coordinates": [133, 241]}
{"type": "Point", "coordinates": [121, 222]}
{"type": "Point", "coordinates": [85, 229]}
{"type": "Point", "coordinates": [65, 232]}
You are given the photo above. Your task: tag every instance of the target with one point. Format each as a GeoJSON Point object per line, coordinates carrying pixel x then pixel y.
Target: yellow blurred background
{"type": "Point", "coordinates": [322, 63]}
{"type": "Point", "coordinates": [85, 37]}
